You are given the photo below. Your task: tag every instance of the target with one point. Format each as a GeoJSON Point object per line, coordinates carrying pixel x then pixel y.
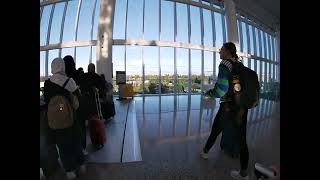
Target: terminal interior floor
{"type": "Point", "coordinates": [160, 137]}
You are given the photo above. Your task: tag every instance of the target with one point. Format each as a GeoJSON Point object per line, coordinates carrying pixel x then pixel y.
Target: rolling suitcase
{"type": "Point", "coordinates": [96, 126]}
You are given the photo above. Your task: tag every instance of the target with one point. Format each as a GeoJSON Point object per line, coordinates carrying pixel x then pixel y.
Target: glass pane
{"type": "Point", "coordinates": [67, 51]}
{"type": "Point", "coordinates": [207, 23]}
{"type": "Point", "coordinates": [135, 18]}
{"type": "Point", "coordinates": [167, 69]}
{"type": "Point", "coordinates": [245, 62]}
{"type": "Point", "coordinates": [258, 70]}
{"type": "Point", "coordinates": [218, 26]}
{"type": "Point", "coordinates": [182, 70]}
{"type": "Point", "coordinates": [218, 60]}
{"type": "Point", "coordinates": [270, 47]}
{"type": "Point", "coordinates": [94, 55]}
{"type": "Point", "coordinates": [96, 21]}
{"type": "Point", "coordinates": [70, 21]}
{"type": "Point", "coordinates": [167, 21]}
{"type": "Point", "coordinates": [52, 55]}
{"type": "Point", "coordinates": [119, 22]}
{"type": "Point", "coordinates": [134, 67]}
{"type": "Point", "coordinates": [195, 25]}
{"type": "Point", "coordinates": [262, 44]}
{"type": "Point", "coordinates": [182, 23]}
{"type": "Point", "coordinates": [244, 37]}
{"type": "Point", "coordinates": [42, 67]}
{"type": "Point", "coordinates": [151, 68]}
{"type": "Point", "coordinates": [208, 67]}
{"type": "Point", "coordinates": [251, 39]}
{"type": "Point", "coordinates": [56, 23]}
{"type": "Point", "coordinates": [83, 57]}
{"type": "Point", "coordinates": [239, 34]}
{"type": "Point", "coordinates": [257, 42]}
{"type": "Point", "coordinates": [44, 24]}
{"type": "Point", "coordinates": [85, 18]}
{"type": "Point", "coordinates": [151, 21]}
{"type": "Point", "coordinates": [118, 63]}
{"type": "Point", "coordinates": [195, 71]}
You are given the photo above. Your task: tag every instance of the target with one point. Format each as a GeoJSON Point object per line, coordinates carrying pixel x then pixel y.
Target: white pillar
{"type": "Point", "coordinates": [104, 40]}
{"type": "Point", "coordinates": [231, 20]}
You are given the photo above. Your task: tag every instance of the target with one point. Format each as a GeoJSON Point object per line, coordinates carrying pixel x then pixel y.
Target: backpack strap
{"type": "Point", "coordinates": [65, 83]}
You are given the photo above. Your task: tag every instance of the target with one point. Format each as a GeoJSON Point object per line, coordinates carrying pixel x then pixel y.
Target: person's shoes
{"type": "Point", "coordinates": [204, 155]}
{"type": "Point", "coordinates": [82, 169]}
{"type": "Point", "coordinates": [71, 175]}
{"type": "Point", "coordinates": [236, 175]}
{"type": "Point", "coordinates": [85, 152]}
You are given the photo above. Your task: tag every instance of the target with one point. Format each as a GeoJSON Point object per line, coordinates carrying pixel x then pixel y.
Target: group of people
{"type": "Point", "coordinates": [71, 140]}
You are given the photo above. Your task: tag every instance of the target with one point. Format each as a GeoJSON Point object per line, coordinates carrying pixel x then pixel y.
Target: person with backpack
{"type": "Point", "coordinates": [59, 95]}
{"type": "Point", "coordinates": [237, 88]}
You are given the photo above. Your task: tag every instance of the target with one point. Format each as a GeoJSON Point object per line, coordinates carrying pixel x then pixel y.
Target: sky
{"type": "Point", "coordinates": [135, 24]}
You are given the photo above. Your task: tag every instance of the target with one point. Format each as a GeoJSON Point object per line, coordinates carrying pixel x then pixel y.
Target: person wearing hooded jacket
{"type": "Point", "coordinates": [66, 139]}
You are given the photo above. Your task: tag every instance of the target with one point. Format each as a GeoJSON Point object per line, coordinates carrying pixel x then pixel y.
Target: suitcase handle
{"type": "Point", "coordinates": [98, 105]}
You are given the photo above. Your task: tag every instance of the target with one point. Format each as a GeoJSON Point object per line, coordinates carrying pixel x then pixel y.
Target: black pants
{"type": "Point", "coordinates": [69, 145]}
{"type": "Point", "coordinates": [228, 112]}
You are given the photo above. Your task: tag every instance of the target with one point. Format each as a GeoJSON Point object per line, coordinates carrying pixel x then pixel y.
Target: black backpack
{"type": "Point", "coordinates": [244, 86]}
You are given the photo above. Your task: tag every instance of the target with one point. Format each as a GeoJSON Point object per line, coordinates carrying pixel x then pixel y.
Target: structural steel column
{"type": "Point", "coordinates": [231, 20]}
{"type": "Point", "coordinates": [104, 41]}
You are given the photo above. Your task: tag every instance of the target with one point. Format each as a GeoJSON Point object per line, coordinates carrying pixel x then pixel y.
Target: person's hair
{"type": "Point", "coordinates": [91, 68]}
{"type": "Point", "coordinates": [231, 47]}
{"type": "Point", "coordinates": [70, 65]}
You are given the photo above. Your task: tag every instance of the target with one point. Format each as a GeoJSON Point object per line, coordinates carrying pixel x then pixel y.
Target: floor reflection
{"type": "Point", "coordinates": [174, 127]}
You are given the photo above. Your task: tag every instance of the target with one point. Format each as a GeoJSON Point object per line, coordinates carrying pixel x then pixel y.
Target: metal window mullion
{"type": "Point", "coordinates": [175, 50]}
{"type": "Point", "coordinates": [248, 44]}
{"type": "Point", "coordinates": [202, 51]}
{"type": "Point", "coordinates": [264, 44]}
{"type": "Point", "coordinates": [240, 36]}
{"type": "Point", "coordinates": [254, 47]}
{"type": "Point", "coordinates": [62, 25]}
{"type": "Point", "coordinates": [213, 41]}
{"type": "Point", "coordinates": [41, 12]}
{"type": "Point", "coordinates": [159, 60]}
{"type": "Point", "coordinates": [260, 42]}
{"type": "Point", "coordinates": [46, 65]}
{"type": "Point", "coordinates": [125, 37]}
{"type": "Point", "coordinates": [266, 63]}
{"type": "Point", "coordinates": [189, 50]}
{"type": "Point", "coordinates": [142, 48]}
{"type": "Point", "coordinates": [274, 65]}
{"type": "Point", "coordinates": [223, 22]}
{"type": "Point", "coordinates": [92, 24]}
{"type": "Point", "coordinates": [77, 21]}
{"type": "Point", "coordinates": [50, 23]}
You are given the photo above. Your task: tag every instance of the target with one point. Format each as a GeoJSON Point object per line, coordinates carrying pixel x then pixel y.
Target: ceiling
{"type": "Point", "coordinates": [272, 6]}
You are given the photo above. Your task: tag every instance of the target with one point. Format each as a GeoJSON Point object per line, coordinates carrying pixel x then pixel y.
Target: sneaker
{"type": "Point", "coordinates": [71, 175]}
{"type": "Point", "coordinates": [237, 175]}
{"type": "Point", "coordinates": [85, 152]}
{"type": "Point", "coordinates": [204, 155]}
{"type": "Point", "coordinates": [82, 169]}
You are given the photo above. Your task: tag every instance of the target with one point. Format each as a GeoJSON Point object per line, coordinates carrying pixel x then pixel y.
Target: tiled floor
{"type": "Point", "coordinates": [172, 129]}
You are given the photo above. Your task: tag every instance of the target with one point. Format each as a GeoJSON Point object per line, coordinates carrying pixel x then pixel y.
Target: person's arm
{"type": "Point", "coordinates": [222, 85]}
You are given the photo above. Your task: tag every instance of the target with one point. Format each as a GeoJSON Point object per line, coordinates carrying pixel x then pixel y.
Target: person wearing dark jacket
{"type": "Point", "coordinates": [66, 139]}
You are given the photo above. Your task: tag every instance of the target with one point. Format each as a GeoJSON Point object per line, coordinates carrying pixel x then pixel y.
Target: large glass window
{"type": "Point", "coordinates": [56, 23]}
{"type": "Point", "coordinates": [207, 24]}
{"type": "Point", "coordinates": [44, 23]}
{"type": "Point", "coordinates": [182, 23]}
{"type": "Point", "coordinates": [135, 19]}
{"type": "Point", "coordinates": [151, 20]}
{"type": "Point", "coordinates": [85, 18]}
{"type": "Point", "coordinates": [195, 25]}
{"type": "Point", "coordinates": [208, 67]}
{"type": "Point", "coordinates": [244, 37]}
{"type": "Point", "coordinates": [119, 22]}
{"type": "Point", "coordinates": [83, 58]}
{"type": "Point", "coordinates": [195, 71]}
{"type": "Point", "coordinates": [67, 51]}
{"type": "Point", "coordinates": [256, 32]}
{"type": "Point", "coordinates": [182, 70]}
{"type": "Point", "coordinates": [42, 67]}
{"type": "Point", "coordinates": [118, 62]}
{"type": "Point", "coordinates": [134, 67]}
{"type": "Point", "coordinates": [151, 69]}
{"type": "Point", "coordinates": [251, 39]}
{"type": "Point", "coordinates": [96, 21]}
{"type": "Point", "coordinates": [218, 60]}
{"type": "Point", "coordinates": [70, 21]}
{"type": "Point", "coordinates": [219, 33]}
{"type": "Point", "coordinates": [167, 69]}
{"type": "Point", "coordinates": [167, 21]}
